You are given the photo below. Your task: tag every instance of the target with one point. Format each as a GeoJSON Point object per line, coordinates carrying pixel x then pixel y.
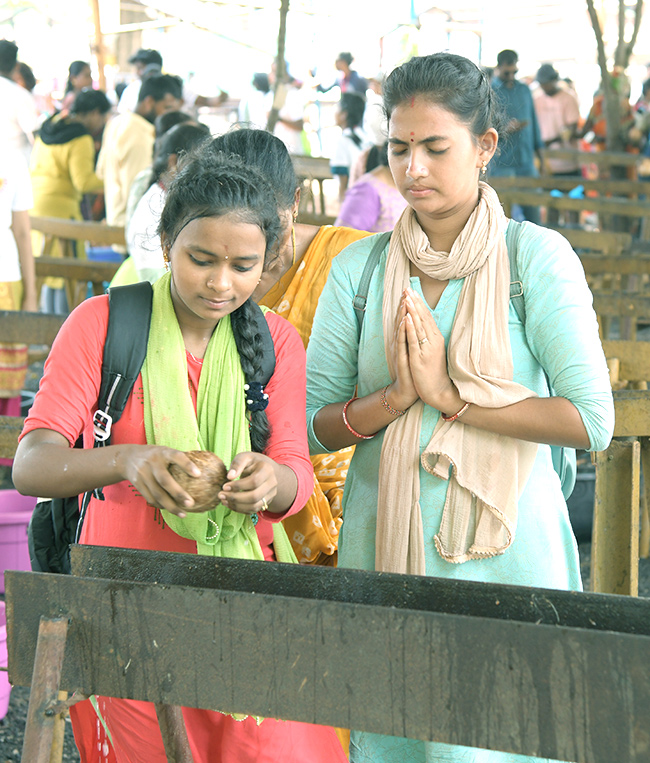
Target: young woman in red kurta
{"type": "Point", "coordinates": [218, 226]}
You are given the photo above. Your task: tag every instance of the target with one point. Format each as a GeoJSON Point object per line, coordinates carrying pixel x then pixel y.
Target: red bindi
{"type": "Point", "coordinates": [412, 134]}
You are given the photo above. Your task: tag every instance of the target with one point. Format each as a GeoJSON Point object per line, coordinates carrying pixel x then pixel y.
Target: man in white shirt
{"type": "Point", "coordinates": [146, 61]}
{"type": "Point", "coordinates": [127, 146]}
{"type": "Point", "coordinates": [18, 113]}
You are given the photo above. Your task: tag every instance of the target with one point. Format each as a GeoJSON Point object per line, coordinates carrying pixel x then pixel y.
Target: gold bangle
{"type": "Point", "coordinates": [387, 405]}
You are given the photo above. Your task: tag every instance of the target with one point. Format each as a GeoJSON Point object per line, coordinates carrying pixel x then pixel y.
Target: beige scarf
{"type": "Point", "coordinates": [486, 471]}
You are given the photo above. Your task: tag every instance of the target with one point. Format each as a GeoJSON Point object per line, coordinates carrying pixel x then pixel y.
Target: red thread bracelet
{"type": "Point", "coordinates": [456, 415]}
{"type": "Point", "coordinates": [347, 423]}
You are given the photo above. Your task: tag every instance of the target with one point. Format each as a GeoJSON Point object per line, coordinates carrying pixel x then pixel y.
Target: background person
{"type": "Point", "coordinates": [142, 238]}
{"type": "Point", "coordinates": [443, 372]}
{"type": "Point", "coordinates": [129, 140]}
{"type": "Point", "coordinates": [290, 127]}
{"type": "Point", "coordinates": [523, 141]}
{"type": "Point", "coordinates": [253, 109]}
{"type": "Point", "coordinates": [348, 80]}
{"type": "Point", "coordinates": [79, 78]}
{"type": "Point", "coordinates": [558, 115]}
{"type": "Point", "coordinates": [18, 279]}
{"type": "Point", "coordinates": [141, 181]}
{"type": "Point", "coordinates": [352, 142]}
{"type": "Point", "coordinates": [140, 60]}
{"type": "Point", "coordinates": [146, 62]}
{"type": "Point", "coordinates": [291, 287]}
{"type": "Point", "coordinates": [373, 203]}
{"type": "Point", "coordinates": [24, 76]}
{"type": "Point", "coordinates": [18, 115]}
{"type": "Point", "coordinates": [62, 171]}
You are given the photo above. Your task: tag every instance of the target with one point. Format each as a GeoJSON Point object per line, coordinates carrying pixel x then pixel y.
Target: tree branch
{"type": "Point", "coordinates": [280, 69]}
{"type": "Point", "coordinates": [600, 45]}
{"type": "Point", "coordinates": [620, 44]}
{"type": "Point", "coordinates": [638, 15]}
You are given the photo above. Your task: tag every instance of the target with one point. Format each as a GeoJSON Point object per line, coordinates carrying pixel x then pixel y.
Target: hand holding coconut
{"type": "Point", "coordinates": [248, 487]}
{"type": "Point", "coordinates": [253, 485]}
{"type": "Point", "coordinates": [205, 485]}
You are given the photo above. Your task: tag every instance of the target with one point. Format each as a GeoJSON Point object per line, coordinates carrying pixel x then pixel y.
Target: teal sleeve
{"type": "Point", "coordinates": [333, 349]}
{"type": "Point", "coordinates": [562, 330]}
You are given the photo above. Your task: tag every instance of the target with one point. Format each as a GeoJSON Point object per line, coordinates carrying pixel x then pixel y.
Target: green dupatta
{"type": "Point", "coordinates": [220, 424]}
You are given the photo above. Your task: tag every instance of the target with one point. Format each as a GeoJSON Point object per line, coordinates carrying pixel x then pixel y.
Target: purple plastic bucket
{"type": "Point", "coordinates": [15, 513]}
{"type": "Point", "coordinates": [5, 686]}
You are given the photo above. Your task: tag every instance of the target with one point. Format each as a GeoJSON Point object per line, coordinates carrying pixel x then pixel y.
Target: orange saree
{"type": "Point", "coordinates": [314, 531]}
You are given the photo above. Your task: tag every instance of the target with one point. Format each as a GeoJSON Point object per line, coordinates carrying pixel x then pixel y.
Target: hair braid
{"type": "Point", "coordinates": [249, 345]}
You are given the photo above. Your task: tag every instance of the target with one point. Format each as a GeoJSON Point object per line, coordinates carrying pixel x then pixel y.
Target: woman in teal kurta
{"type": "Point", "coordinates": [560, 338]}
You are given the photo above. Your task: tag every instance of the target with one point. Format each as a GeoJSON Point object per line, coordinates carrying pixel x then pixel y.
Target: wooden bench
{"type": "Point", "coordinates": [77, 274]}
{"type": "Point", "coordinates": [38, 331]}
{"type": "Point", "coordinates": [68, 231]}
{"type": "Point", "coordinates": [617, 283]}
{"type": "Point", "coordinates": [71, 262]}
{"type": "Point", "coordinates": [621, 207]}
{"type": "Point", "coordinates": [597, 242]}
{"type": "Point", "coordinates": [603, 160]}
{"type": "Point", "coordinates": [629, 368]}
{"type": "Point", "coordinates": [615, 536]}
{"type": "Point", "coordinates": [310, 170]}
{"type": "Point", "coordinates": [378, 652]}
{"type": "Point", "coordinates": [604, 188]}
{"type": "Point", "coordinates": [98, 234]}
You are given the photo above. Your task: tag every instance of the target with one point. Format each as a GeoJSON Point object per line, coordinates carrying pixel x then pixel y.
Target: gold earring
{"type": "Point", "coordinates": [484, 169]}
{"type": "Point", "coordinates": [166, 259]}
{"type": "Point", "coordinates": [295, 217]}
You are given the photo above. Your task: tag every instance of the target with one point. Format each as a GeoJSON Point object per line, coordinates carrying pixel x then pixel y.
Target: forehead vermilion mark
{"type": "Point", "coordinates": [412, 101]}
{"type": "Point", "coordinates": [412, 139]}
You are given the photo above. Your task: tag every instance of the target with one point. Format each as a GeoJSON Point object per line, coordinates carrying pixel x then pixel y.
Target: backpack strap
{"type": "Point", "coordinates": [125, 349]}
{"type": "Point", "coordinates": [361, 298]}
{"type": "Point", "coordinates": [564, 459]}
{"type": "Point", "coordinates": [516, 286]}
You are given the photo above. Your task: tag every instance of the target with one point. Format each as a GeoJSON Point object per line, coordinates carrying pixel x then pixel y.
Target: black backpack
{"type": "Point", "coordinates": [57, 522]}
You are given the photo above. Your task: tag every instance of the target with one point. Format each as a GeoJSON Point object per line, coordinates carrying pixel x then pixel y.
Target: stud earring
{"type": "Point", "coordinates": [484, 169]}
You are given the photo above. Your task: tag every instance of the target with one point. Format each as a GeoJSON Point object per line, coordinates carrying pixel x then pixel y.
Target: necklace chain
{"type": "Point", "coordinates": [194, 358]}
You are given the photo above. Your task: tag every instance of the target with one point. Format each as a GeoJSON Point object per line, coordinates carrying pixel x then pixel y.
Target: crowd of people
{"type": "Point", "coordinates": [416, 439]}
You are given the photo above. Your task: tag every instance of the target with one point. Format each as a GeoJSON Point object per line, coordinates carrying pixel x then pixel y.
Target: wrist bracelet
{"type": "Point", "coordinates": [347, 423]}
{"type": "Point", "coordinates": [456, 415]}
{"type": "Point", "coordinates": [387, 405]}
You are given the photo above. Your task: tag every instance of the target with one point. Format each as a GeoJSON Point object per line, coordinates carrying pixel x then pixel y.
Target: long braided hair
{"type": "Point", "coordinates": [212, 184]}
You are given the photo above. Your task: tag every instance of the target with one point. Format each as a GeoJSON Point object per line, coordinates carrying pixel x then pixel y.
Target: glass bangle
{"type": "Point", "coordinates": [456, 415]}
{"type": "Point", "coordinates": [347, 423]}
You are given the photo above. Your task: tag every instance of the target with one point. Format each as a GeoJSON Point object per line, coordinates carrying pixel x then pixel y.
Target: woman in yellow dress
{"type": "Point", "coordinates": [63, 168]}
